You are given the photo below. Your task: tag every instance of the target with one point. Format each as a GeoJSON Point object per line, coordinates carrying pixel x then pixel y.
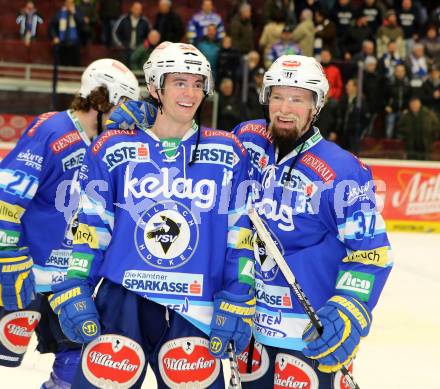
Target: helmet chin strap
{"type": "Point", "coordinates": [99, 125]}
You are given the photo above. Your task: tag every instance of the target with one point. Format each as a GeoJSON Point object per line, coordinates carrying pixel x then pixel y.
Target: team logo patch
{"type": "Point", "coordinates": [260, 363]}
{"type": "Point", "coordinates": [16, 329]}
{"type": "Point", "coordinates": [186, 362]}
{"type": "Point", "coordinates": [293, 372]}
{"type": "Point", "coordinates": [339, 382]}
{"type": "Point", "coordinates": [113, 361]}
{"type": "Point", "coordinates": [266, 267]}
{"type": "Point", "coordinates": [167, 235]}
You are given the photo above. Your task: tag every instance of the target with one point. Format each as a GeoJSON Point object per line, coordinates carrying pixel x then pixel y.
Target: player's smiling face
{"type": "Point", "coordinates": [291, 112]}
{"type": "Point", "coordinates": [182, 95]}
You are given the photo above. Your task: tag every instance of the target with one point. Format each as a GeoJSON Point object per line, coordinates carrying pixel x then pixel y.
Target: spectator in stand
{"type": "Point", "coordinates": [373, 87]}
{"type": "Point", "coordinates": [241, 30]}
{"type": "Point", "coordinates": [271, 32]}
{"type": "Point", "coordinates": [285, 46]}
{"type": "Point", "coordinates": [229, 62]}
{"type": "Point", "coordinates": [417, 64]}
{"type": "Point", "coordinates": [271, 8]}
{"type": "Point", "coordinates": [328, 116]}
{"type": "Point", "coordinates": [304, 33]}
{"type": "Point", "coordinates": [198, 24]}
{"type": "Point", "coordinates": [408, 18]}
{"type": "Point", "coordinates": [169, 23]}
{"type": "Point", "coordinates": [141, 54]}
{"type": "Point", "coordinates": [430, 93]}
{"type": "Point", "coordinates": [90, 16]}
{"type": "Point", "coordinates": [252, 62]}
{"type": "Point", "coordinates": [130, 31]}
{"type": "Point", "coordinates": [357, 34]}
{"type": "Point", "coordinates": [325, 34]}
{"type": "Point", "coordinates": [210, 47]}
{"type": "Point", "coordinates": [434, 16]}
{"type": "Point", "coordinates": [419, 128]}
{"type": "Point", "coordinates": [254, 109]}
{"type": "Point", "coordinates": [28, 20]}
{"type": "Point", "coordinates": [109, 13]}
{"type": "Point", "coordinates": [366, 51]}
{"type": "Point", "coordinates": [431, 42]}
{"type": "Point", "coordinates": [373, 14]}
{"type": "Point", "coordinates": [342, 14]}
{"type": "Point", "coordinates": [312, 5]}
{"type": "Point", "coordinates": [390, 60]}
{"type": "Point", "coordinates": [230, 112]}
{"type": "Point", "coordinates": [65, 30]}
{"type": "Point", "coordinates": [398, 92]}
{"type": "Point", "coordinates": [353, 117]}
{"type": "Point", "coordinates": [390, 31]}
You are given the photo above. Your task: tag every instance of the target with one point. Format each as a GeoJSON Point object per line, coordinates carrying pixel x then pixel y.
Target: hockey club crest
{"type": "Point", "coordinates": [260, 363]}
{"type": "Point", "coordinates": [339, 381]}
{"type": "Point", "coordinates": [112, 361]}
{"type": "Point", "coordinates": [167, 235]}
{"type": "Point", "coordinates": [16, 329]}
{"type": "Point", "coordinates": [293, 372]}
{"type": "Point", "coordinates": [187, 363]}
{"type": "Point", "coordinates": [266, 267]}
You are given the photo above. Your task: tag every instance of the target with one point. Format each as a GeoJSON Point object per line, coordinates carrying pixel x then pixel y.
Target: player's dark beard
{"type": "Point", "coordinates": [286, 141]}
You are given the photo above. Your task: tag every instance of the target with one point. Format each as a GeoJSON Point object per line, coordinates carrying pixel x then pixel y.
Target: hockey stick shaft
{"type": "Point", "coordinates": [235, 380]}
{"type": "Point", "coordinates": [273, 250]}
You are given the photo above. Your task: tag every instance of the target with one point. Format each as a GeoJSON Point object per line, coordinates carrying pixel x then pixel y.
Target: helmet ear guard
{"type": "Point", "coordinates": [296, 71]}
{"type": "Point", "coordinates": [114, 75]}
{"type": "Point", "coordinates": [171, 57]}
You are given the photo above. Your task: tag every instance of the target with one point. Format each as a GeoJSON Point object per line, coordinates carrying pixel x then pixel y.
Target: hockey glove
{"type": "Point", "coordinates": [345, 321]}
{"type": "Point", "coordinates": [132, 113]}
{"type": "Point", "coordinates": [231, 321]}
{"type": "Point", "coordinates": [72, 302]}
{"type": "Point", "coordinates": [17, 281]}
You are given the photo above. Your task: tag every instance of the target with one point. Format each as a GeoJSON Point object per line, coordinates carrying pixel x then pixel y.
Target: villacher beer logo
{"type": "Point", "coordinates": [339, 381]}
{"type": "Point", "coordinates": [293, 372]}
{"type": "Point", "coordinates": [167, 235]}
{"type": "Point", "coordinates": [113, 361]}
{"type": "Point", "coordinates": [16, 329]}
{"type": "Point", "coordinates": [259, 366]}
{"type": "Point", "coordinates": [186, 362]}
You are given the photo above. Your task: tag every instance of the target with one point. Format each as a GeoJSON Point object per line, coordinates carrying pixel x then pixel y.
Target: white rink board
{"type": "Point", "coordinates": [402, 350]}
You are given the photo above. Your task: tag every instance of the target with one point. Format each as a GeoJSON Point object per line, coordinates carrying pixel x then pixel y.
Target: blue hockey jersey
{"type": "Point", "coordinates": [168, 230]}
{"type": "Point", "coordinates": [37, 197]}
{"type": "Point", "coordinates": [318, 203]}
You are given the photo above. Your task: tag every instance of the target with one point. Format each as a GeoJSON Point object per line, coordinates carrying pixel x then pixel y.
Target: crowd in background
{"type": "Point", "coordinates": [381, 57]}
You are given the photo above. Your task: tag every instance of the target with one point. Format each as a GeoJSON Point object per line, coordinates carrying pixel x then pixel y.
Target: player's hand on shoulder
{"type": "Point", "coordinates": [132, 114]}
{"type": "Point", "coordinates": [345, 321]}
{"type": "Point", "coordinates": [72, 302]}
{"type": "Point", "coordinates": [17, 281]}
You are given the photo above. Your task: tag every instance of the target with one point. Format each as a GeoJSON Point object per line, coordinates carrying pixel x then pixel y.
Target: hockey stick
{"type": "Point", "coordinates": [235, 380]}
{"type": "Point", "coordinates": [273, 250]}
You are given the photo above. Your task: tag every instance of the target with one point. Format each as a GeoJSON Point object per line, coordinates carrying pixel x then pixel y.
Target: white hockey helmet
{"type": "Point", "coordinates": [171, 57]}
{"type": "Point", "coordinates": [298, 71]}
{"type": "Point", "coordinates": [118, 79]}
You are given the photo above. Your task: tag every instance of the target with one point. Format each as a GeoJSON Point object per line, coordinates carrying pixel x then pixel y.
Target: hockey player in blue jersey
{"type": "Point", "coordinates": [37, 198]}
{"type": "Point", "coordinates": [162, 225]}
{"type": "Point", "coordinates": [318, 203]}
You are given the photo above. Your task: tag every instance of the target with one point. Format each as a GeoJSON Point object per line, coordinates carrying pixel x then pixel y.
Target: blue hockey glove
{"type": "Point", "coordinates": [231, 321]}
{"type": "Point", "coordinates": [132, 113]}
{"type": "Point", "coordinates": [17, 281]}
{"type": "Point", "coordinates": [345, 321]}
{"type": "Point", "coordinates": [72, 302]}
